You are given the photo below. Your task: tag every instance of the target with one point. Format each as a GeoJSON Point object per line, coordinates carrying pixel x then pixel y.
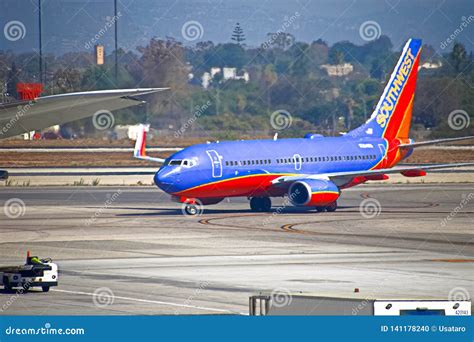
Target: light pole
{"type": "Point", "coordinates": [40, 43]}
{"type": "Point", "coordinates": [116, 44]}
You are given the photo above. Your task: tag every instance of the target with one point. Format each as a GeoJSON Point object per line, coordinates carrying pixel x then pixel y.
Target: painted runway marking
{"type": "Point", "coordinates": [153, 302]}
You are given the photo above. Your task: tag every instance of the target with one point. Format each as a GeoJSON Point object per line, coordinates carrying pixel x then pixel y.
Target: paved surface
{"type": "Point", "coordinates": [134, 243]}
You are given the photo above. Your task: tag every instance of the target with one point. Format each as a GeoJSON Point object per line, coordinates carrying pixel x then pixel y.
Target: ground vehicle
{"type": "Point", "coordinates": [35, 273]}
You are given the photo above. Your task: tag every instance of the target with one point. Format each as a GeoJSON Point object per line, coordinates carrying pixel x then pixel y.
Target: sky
{"type": "Point", "coordinates": [74, 25]}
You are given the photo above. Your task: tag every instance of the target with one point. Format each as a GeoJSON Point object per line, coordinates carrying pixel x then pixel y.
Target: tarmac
{"type": "Point", "coordinates": [129, 250]}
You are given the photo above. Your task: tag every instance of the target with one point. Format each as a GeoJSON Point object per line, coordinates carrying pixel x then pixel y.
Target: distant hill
{"type": "Point", "coordinates": [70, 24]}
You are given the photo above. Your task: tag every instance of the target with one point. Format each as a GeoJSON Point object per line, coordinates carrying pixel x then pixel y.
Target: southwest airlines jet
{"type": "Point", "coordinates": [312, 170]}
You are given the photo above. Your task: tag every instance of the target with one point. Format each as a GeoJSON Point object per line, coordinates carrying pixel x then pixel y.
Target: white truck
{"type": "Point", "coordinates": [34, 273]}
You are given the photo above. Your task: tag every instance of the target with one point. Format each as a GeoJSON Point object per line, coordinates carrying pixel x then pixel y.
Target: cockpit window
{"type": "Point", "coordinates": [189, 162]}
{"type": "Point", "coordinates": [182, 162]}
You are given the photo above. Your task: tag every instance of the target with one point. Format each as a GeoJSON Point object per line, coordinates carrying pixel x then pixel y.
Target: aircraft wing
{"type": "Point", "coordinates": [434, 142]}
{"type": "Point", "coordinates": [22, 117]}
{"type": "Point", "coordinates": [340, 178]}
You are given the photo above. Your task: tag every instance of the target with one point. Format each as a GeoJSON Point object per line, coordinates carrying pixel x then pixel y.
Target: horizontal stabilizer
{"type": "Point", "coordinates": [434, 142]}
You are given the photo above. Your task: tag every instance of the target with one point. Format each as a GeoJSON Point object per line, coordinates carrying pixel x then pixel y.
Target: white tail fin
{"type": "Point", "coordinates": [140, 145]}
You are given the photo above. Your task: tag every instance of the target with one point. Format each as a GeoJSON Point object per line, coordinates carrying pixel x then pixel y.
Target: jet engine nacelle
{"type": "Point", "coordinates": [313, 192]}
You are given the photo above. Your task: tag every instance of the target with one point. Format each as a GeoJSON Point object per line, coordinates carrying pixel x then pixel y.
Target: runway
{"type": "Point", "coordinates": [129, 250]}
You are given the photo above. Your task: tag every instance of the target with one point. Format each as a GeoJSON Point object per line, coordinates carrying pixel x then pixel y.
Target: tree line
{"type": "Point", "coordinates": [285, 74]}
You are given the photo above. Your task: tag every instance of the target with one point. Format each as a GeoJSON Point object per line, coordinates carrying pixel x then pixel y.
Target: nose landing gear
{"type": "Point", "coordinates": [260, 204]}
{"type": "Point", "coordinates": [191, 209]}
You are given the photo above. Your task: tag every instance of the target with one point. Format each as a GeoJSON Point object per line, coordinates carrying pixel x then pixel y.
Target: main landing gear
{"type": "Point", "coordinates": [260, 204]}
{"type": "Point", "coordinates": [331, 207]}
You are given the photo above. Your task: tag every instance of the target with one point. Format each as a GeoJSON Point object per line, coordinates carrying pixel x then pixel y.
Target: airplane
{"type": "Point", "coordinates": [24, 116]}
{"type": "Point", "coordinates": [312, 171]}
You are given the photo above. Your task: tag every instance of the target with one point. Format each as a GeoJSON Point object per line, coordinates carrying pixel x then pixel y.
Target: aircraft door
{"type": "Point", "coordinates": [297, 161]}
{"type": "Point", "coordinates": [216, 162]}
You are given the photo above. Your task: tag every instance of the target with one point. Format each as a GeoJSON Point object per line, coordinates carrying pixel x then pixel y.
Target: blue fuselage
{"type": "Point", "coordinates": [198, 167]}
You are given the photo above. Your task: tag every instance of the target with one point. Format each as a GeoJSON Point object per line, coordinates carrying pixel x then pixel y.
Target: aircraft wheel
{"type": "Point", "coordinates": [320, 209]}
{"type": "Point", "coordinates": [331, 207]}
{"type": "Point", "coordinates": [260, 204]}
{"type": "Point", "coordinates": [256, 204]}
{"type": "Point", "coordinates": [191, 209]}
{"type": "Point", "coordinates": [45, 288]}
{"type": "Point", "coordinates": [266, 204]}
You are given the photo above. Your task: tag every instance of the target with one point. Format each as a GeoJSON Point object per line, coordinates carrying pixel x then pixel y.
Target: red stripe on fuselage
{"type": "Point", "coordinates": [254, 185]}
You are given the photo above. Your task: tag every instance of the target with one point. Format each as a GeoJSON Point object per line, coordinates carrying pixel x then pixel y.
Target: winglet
{"type": "Point", "coordinates": [140, 145]}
